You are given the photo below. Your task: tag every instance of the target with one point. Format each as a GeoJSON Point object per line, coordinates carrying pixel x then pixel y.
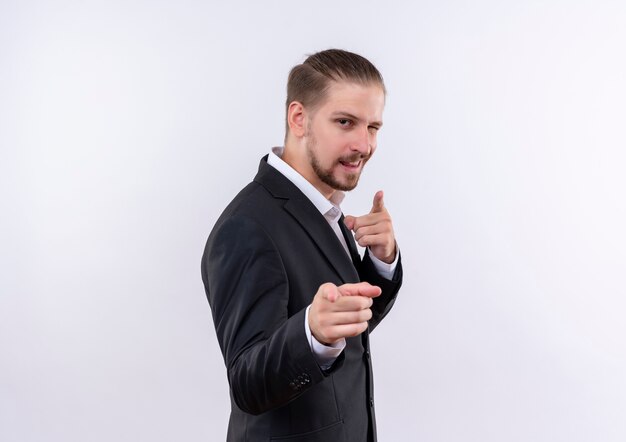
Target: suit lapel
{"type": "Point", "coordinates": [323, 236]}
{"type": "Point", "coordinates": [309, 218]}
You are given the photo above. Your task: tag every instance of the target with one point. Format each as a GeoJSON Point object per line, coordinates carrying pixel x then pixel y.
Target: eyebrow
{"type": "Point", "coordinates": [339, 114]}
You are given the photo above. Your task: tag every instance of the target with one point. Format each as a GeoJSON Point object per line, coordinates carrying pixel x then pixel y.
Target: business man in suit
{"type": "Point", "coordinates": [292, 301]}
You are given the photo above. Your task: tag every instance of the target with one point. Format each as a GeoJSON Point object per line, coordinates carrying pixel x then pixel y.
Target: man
{"type": "Point", "coordinates": [293, 302]}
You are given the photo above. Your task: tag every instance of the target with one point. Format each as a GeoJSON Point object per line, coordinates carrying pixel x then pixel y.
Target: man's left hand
{"type": "Point", "coordinates": [375, 230]}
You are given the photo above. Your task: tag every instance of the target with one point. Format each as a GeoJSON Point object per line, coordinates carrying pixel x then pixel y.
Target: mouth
{"type": "Point", "coordinates": [351, 165]}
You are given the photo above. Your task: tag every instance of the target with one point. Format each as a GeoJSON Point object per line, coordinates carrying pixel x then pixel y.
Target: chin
{"type": "Point", "coordinates": [347, 185]}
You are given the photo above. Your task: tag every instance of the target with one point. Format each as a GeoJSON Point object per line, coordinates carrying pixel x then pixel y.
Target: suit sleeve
{"type": "Point", "coordinates": [383, 303]}
{"type": "Point", "coordinates": [267, 356]}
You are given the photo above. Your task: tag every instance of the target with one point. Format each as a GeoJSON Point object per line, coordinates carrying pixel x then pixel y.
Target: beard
{"type": "Point", "coordinates": [326, 174]}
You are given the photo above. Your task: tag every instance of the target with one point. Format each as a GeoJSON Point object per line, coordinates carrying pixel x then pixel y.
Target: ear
{"type": "Point", "coordinates": [296, 119]}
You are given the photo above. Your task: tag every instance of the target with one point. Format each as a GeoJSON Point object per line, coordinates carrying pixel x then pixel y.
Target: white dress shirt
{"type": "Point", "coordinates": [325, 355]}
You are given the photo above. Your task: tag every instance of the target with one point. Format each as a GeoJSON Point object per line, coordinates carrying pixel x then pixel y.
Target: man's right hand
{"type": "Point", "coordinates": [339, 312]}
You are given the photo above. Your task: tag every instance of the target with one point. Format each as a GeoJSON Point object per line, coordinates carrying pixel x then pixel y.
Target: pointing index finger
{"type": "Point", "coordinates": [360, 289]}
{"type": "Point", "coordinates": [378, 205]}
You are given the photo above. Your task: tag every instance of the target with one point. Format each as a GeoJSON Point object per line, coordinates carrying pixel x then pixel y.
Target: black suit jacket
{"type": "Point", "coordinates": [265, 259]}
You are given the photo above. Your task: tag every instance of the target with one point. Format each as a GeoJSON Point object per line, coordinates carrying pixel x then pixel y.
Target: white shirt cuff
{"type": "Point", "coordinates": [325, 355]}
{"type": "Point", "coordinates": [385, 270]}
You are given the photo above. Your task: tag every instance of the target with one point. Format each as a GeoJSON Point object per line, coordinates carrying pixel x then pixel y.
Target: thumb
{"type": "Point", "coordinates": [378, 205]}
{"type": "Point", "coordinates": [330, 292]}
{"type": "Point", "coordinates": [349, 221]}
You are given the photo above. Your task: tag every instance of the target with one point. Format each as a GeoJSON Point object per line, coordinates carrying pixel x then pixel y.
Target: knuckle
{"type": "Point", "coordinates": [356, 330]}
{"type": "Point", "coordinates": [361, 316]}
{"type": "Point", "coordinates": [360, 328]}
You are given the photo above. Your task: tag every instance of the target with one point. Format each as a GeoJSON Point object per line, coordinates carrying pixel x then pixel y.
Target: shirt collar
{"type": "Point", "coordinates": [329, 208]}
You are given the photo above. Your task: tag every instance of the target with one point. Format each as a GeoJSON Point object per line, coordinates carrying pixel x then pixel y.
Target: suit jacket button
{"type": "Point", "coordinates": [371, 402]}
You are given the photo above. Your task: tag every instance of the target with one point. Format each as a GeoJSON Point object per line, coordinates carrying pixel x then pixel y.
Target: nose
{"type": "Point", "coordinates": [362, 142]}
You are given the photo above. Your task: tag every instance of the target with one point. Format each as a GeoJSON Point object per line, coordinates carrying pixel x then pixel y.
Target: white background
{"type": "Point", "coordinates": [127, 126]}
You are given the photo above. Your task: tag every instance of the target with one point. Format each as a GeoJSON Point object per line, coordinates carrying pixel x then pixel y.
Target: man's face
{"type": "Point", "coordinates": [341, 135]}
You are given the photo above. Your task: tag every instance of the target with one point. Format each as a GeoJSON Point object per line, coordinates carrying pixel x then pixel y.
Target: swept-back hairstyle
{"type": "Point", "coordinates": [309, 82]}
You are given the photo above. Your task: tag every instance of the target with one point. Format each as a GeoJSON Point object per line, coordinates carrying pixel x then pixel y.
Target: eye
{"type": "Point", "coordinates": [373, 128]}
{"type": "Point", "coordinates": [344, 122]}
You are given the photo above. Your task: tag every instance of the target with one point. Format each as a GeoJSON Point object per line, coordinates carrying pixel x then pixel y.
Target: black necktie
{"type": "Point", "coordinates": [347, 235]}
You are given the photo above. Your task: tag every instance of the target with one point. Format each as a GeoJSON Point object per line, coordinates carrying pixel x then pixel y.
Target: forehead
{"type": "Point", "coordinates": [366, 101]}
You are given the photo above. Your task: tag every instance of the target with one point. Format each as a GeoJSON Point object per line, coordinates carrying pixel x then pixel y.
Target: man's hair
{"type": "Point", "coordinates": [309, 82]}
